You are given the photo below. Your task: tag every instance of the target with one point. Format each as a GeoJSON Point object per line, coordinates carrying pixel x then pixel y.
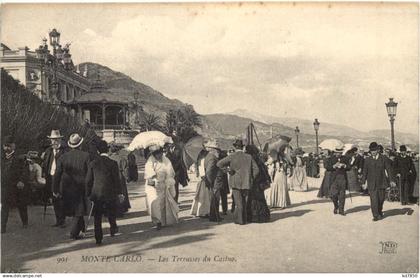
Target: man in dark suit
{"type": "Point", "coordinates": [243, 170]}
{"type": "Point", "coordinates": [211, 171]}
{"type": "Point", "coordinates": [374, 173]}
{"type": "Point", "coordinates": [15, 190]}
{"type": "Point", "coordinates": [338, 166]}
{"type": "Point", "coordinates": [404, 169]}
{"type": "Point", "coordinates": [103, 188]}
{"type": "Point", "coordinates": [49, 166]}
{"type": "Point", "coordinates": [69, 184]}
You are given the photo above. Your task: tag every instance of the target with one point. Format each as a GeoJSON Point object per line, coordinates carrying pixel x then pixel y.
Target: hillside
{"type": "Point", "coordinates": [124, 86]}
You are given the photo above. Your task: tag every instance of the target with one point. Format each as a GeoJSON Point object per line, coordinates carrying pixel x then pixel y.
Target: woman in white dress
{"type": "Point", "coordinates": [279, 194]}
{"type": "Point", "coordinates": [160, 188]}
{"type": "Point", "coordinates": [299, 182]}
{"type": "Point", "coordinates": [201, 203]}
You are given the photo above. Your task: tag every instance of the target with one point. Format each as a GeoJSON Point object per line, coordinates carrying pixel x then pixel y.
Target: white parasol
{"type": "Point", "coordinates": [331, 144]}
{"type": "Point", "coordinates": [348, 147]}
{"type": "Point", "coordinates": [149, 138]}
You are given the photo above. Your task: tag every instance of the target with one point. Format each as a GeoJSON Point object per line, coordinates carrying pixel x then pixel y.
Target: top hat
{"type": "Point", "coordinates": [55, 134]}
{"type": "Point", "coordinates": [75, 141]}
{"type": "Point", "coordinates": [238, 143]}
{"type": "Point", "coordinates": [373, 146]}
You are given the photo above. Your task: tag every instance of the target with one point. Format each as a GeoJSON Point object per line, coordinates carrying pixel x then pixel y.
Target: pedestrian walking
{"type": "Point", "coordinates": [405, 171]}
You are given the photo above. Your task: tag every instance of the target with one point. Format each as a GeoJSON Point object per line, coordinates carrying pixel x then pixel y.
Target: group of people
{"type": "Point", "coordinates": [371, 173]}
{"type": "Point", "coordinates": [92, 181]}
{"type": "Point", "coordinates": [77, 177]}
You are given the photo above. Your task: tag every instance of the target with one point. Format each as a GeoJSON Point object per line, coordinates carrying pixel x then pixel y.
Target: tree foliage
{"type": "Point", "coordinates": [181, 123]}
{"type": "Point", "coordinates": [29, 120]}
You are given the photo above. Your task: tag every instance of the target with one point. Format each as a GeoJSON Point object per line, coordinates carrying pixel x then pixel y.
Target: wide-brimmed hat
{"type": "Point", "coordinates": [75, 140]}
{"type": "Point", "coordinates": [238, 143]}
{"type": "Point", "coordinates": [55, 134]}
{"type": "Point", "coordinates": [155, 148]}
{"type": "Point", "coordinates": [373, 146]}
{"type": "Point", "coordinates": [212, 144]}
{"type": "Point", "coordinates": [339, 149]}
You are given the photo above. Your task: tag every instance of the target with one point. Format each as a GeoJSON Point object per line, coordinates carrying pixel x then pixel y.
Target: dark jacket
{"type": "Point", "coordinates": [48, 159]}
{"type": "Point", "coordinates": [210, 166]}
{"type": "Point", "coordinates": [14, 170]}
{"type": "Point", "coordinates": [374, 172]}
{"type": "Point", "coordinates": [338, 177]}
{"type": "Point", "coordinates": [69, 181]}
{"type": "Point", "coordinates": [181, 174]}
{"type": "Point", "coordinates": [103, 180]}
{"type": "Point", "coordinates": [242, 168]}
{"type": "Point", "coordinates": [404, 166]}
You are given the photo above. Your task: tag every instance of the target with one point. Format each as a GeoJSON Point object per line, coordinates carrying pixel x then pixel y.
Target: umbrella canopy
{"type": "Point", "coordinates": [331, 144]}
{"type": "Point", "coordinates": [191, 150]}
{"type": "Point", "coordinates": [148, 138]}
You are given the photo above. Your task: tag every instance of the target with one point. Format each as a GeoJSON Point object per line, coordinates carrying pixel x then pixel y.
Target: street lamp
{"type": "Point", "coordinates": [316, 127]}
{"type": "Point", "coordinates": [54, 39]}
{"type": "Point", "coordinates": [297, 136]}
{"type": "Point", "coordinates": [391, 108]}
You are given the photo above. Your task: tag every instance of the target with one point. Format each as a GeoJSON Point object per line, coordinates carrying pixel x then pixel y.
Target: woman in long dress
{"type": "Point", "coordinates": [299, 180]}
{"type": "Point", "coordinates": [324, 190]}
{"type": "Point", "coordinates": [279, 195]}
{"type": "Point", "coordinates": [257, 208]}
{"type": "Point", "coordinates": [160, 188]}
{"type": "Point", "coordinates": [201, 202]}
{"type": "Point", "coordinates": [352, 178]}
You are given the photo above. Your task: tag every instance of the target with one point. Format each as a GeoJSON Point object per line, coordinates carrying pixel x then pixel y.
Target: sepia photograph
{"type": "Point", "coordinates": [211, 137]}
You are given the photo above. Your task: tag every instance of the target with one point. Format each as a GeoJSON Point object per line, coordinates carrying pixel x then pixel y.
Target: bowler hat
{"type": "Point", "coordinates": [55, 134]}
{"type": "Point", "coordinates": [238, 143]}
{"type": "Point", "coordinates": [403, 148]}
{"type": "Point", "coordinates": [373, 146]}
{"type": "Point", "coordinates": [75, 141]}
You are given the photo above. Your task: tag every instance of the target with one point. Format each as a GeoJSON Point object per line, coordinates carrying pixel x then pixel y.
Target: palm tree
{"type": "Point", "coordinates": [150, 122]}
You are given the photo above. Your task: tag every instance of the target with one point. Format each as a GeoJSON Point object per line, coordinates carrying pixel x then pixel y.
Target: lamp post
{"type": "Point", "coordinates": [391, 108]}
{"type": "Point", "coordinates": [297, 136]}
{"type": "Point", "coordinates": [316, 127]}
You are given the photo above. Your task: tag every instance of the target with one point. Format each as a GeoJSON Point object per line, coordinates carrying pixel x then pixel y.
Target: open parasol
{"type": "Point", "coordinates": [348, 147]}
{"type": "Point", "coordinates": [191, 150]}
{"type": "Point", "coordinates": [331, 144]}
{"type": "Point", "coordinates": [148, 138]}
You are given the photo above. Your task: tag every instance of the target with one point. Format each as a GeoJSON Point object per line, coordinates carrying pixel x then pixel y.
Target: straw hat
{"type": "Point", "coordinates": [75, 141]}
{"type": "Point", "coordinates": [55, 134]}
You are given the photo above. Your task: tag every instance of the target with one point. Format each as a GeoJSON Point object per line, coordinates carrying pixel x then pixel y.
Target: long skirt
{"type": "Point", "coordinates": [324, 190]}
{"type": "Point", "coordinates": [299, 181]}
{"type": "Point", "coordinates": [279, 195]}
{"type": "Point", "coordinates": [257, 207]}
{"type": "Point", "coordinates": [353, 181]}
{"type": "Point", "coordinates": [161, 204]}
{"type": "Point", "coordinates": [201, 203]}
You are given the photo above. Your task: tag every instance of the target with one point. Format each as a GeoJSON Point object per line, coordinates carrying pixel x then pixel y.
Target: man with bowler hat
{"type": "Point", "coordinates": [49, 166]}
{"type": "Point", "coordinates": [15, 190]}
{"type": "Point", "coordinates": [103, 188]}
{"type": "Point", "coordinates": [69, 184]}
{"type": "Point", "coordinates": [374, 173]}
{"type": "Point", "coordinates": [405, 170]}
{"type": "Point", "coordinates": [243, 170]}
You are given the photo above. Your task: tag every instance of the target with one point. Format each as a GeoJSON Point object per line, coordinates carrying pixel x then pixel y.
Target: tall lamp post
{"type": "Point", "coordinates": [316, 127]}
{"type": "Point", "coordinates": [391, 108]}
{"type": "Point", "coordinates": [297, 136]}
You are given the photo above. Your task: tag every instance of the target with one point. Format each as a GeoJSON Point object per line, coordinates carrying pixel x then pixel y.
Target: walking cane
{"type": "Point", "coordinates": [90, 214]}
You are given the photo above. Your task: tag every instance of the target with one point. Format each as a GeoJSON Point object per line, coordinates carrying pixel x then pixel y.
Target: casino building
{"type": "Point", "coordinates": [49, 73]}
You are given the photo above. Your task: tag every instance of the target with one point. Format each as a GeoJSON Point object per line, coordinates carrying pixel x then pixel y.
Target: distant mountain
{"type": "Point", "coordinates": [306, 126]}
{"type": "Point", "coordinates": [125, 87]}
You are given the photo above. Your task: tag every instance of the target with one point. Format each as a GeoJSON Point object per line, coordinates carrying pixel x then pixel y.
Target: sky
{"type": "Point", "coordinates": [336, 62]}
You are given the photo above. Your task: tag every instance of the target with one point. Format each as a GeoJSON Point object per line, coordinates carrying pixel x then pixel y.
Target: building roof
{"type": "Point", "coordinates": [99, 97]}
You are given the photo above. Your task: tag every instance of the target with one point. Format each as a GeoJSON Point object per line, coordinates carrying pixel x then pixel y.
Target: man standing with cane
{"type": "Point", "coordinates": [103, 188]}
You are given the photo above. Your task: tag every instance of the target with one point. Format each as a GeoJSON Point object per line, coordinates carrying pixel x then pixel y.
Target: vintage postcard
{"type": "Point", "coordinates": [263, 137]}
